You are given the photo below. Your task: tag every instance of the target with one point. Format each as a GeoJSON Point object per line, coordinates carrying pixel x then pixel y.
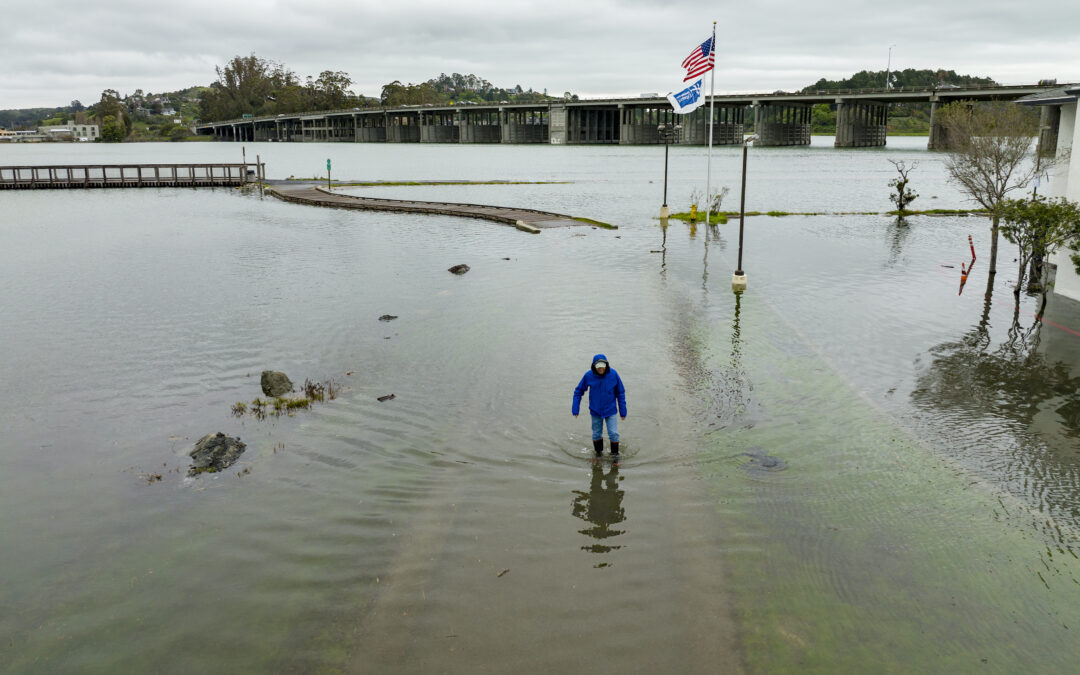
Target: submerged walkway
{"type": "Point", "coordinates": [526, 220]}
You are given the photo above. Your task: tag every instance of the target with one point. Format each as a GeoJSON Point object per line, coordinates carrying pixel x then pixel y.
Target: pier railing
{"type": "Point", "coordinates": [126, 175]}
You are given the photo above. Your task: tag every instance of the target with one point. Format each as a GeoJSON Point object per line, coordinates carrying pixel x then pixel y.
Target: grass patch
{"type": "Point", "coordinates": [310, 393]}
{"type": "Point", "coordinates": [941, 212]}
{"type": "Point", "coordinates": [721, 217]}
{"type": "Point", "coordinates": [716, 218]}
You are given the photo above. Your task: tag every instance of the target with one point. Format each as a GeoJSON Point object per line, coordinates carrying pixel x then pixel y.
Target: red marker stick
{"type": "Point", "coordinates": [972, 245]}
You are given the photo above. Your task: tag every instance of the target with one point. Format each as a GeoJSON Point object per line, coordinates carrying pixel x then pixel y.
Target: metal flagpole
{"type": "Point", "coordinates": [712, 116]}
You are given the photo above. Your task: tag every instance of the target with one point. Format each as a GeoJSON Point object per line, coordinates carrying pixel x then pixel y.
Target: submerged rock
{"type": "Point", "coordinates": [215, 452]}
{"type": "Point", "coordinates": [387, 317]}
{"type": "Point", "coordinates": [759, 461]}
{"type": "Point", "coordinates": [275, 383]}
{"type": "Point", "coordinates": [458, 269]}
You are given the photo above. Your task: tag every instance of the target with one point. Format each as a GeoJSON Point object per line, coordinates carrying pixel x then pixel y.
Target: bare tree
{"type": "Point", "coordinates": [903, 195]}
{"type": "Point", "coordinates": [988, 147]}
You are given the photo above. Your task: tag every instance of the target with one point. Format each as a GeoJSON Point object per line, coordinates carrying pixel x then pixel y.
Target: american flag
{"type": "Point", "coordinates": [700, 60]}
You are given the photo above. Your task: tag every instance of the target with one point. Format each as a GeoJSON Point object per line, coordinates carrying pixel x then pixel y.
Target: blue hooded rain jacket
{"type": "Point", "coordinates": [604, 391]}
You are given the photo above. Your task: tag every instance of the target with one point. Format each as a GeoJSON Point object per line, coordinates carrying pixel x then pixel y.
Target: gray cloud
{"type": "Point", "coordinates": [68, 50]}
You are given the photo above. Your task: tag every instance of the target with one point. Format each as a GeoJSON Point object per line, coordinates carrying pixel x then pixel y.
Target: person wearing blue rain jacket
{"type": "Point", "coordinates": [607, 396]}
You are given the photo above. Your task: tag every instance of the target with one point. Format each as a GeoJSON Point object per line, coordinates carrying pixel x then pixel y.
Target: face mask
{"type": "Point", "coordinates": [601, 366]}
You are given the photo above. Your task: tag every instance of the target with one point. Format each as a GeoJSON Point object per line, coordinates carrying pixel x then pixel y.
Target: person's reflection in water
{"type": "Point", "coordinates": [602, 507]}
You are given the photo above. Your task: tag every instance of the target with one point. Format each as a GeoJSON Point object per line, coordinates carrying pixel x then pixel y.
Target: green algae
{"type": "Point", "coordinates": [721, 217]}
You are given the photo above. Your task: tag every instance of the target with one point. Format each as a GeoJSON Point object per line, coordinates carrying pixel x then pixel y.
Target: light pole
{"type": "Point", "coordinates": [738, 280]}
{"type": "Point", "coordinates": [888, 66]}
{"type": "Point", "coordinates": [667, 134]}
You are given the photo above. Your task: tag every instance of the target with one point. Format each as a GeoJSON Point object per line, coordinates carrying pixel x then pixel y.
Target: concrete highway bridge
{"type": "Point", "coordinates": [779, 119]}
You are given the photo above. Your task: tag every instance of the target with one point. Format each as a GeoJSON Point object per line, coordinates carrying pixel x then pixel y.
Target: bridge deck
{"type": "Point", "coordinates": [60, 177]}
{"type": "Point", "coordinates": [528, 220]}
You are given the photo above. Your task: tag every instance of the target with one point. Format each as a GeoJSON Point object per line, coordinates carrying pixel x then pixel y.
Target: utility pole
{"type": "Point", "coordinates": [667, 134]}
{"type": "Point", "coordinates": [888, 67]}
{"type": "Point", "coordinates": [738, 280]}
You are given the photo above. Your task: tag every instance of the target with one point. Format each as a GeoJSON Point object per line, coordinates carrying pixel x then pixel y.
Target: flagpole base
{"type": "Point", "coordinates": [664, 211]}
{"type": "Point", "coordinates": [738, 281]}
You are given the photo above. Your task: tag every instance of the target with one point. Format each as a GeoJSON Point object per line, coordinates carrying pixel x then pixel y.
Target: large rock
{"type": "Point", "coordinates": [215, 452]}
{"type": "Point", "coordinates": [275, 383]}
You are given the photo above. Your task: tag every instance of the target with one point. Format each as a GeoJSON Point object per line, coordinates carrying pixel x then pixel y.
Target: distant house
{"type": "Point", "coordinates": [168, 112]}
{"type": "Point", "coordinates": [1060, 134]}
{"type": "Point", "coordinates": [71, 132]}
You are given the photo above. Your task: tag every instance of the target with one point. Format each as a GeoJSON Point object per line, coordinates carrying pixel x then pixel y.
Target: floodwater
{"type": "Point", "coordinates": [850, 467]}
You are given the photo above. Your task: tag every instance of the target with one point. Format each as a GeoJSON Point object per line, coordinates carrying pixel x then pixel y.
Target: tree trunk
{"type": "Point", "coordinates": [993, 246]}
{"type": "Point", "coordinates": [1020, 276]}
{"type": "Point", "coordinates": [1035, 269]}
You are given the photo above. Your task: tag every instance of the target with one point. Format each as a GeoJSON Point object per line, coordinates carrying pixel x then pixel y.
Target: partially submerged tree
{"type": "Point", "coordinates": [989, 145]}
{"type": "Point", "coordinates": [903, 196]}
{"type": "Point", "coordinates": [1038, 225]}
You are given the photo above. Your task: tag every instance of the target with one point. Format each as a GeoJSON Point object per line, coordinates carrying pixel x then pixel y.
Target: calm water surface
{"type": "Point", "coordinates": [849, 467]}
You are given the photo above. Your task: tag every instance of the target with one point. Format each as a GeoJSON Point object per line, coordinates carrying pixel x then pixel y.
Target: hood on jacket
{"type": "Point", "coordinates": [596, 359]}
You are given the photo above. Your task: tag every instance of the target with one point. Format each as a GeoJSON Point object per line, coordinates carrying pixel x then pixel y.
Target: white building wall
{"type": "Point", "coordinates": [1065, 182]}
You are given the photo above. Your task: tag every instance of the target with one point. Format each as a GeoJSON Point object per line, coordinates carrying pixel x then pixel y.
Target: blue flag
{"type": "Point", "coordinates": [688, 100]}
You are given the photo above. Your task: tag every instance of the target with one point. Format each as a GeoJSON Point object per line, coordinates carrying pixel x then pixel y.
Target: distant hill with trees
{"type": "Point", "coordinates": [137, 116]}
{"type": "Point", "coordinates": [875, 79]}
{"type": "Point", "coordinates": [250, 85]}
{"type": "Point", "coordinates": [31, 118]}
{"type": "Point", "coordinates": [457, 88]}
{"type": "Point", "coordinates": [903, 118]}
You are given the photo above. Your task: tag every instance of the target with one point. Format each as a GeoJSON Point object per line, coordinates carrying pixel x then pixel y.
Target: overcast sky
{"type": "Point", "coordinates": [61, 50]}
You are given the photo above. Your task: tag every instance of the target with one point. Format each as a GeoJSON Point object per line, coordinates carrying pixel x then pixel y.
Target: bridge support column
{"type": "Point", "coordinates": [589, 126]}
{"type": "Point", "coordinates": [339, 129]}
{"type": "Point", "coordinates": [372, 129]}
{"type": "Point", "coordinates": [860, 124]}
{"type": "Point", "coordinates": [438, 127]}
{"type": "Point", "coordinates": [939, 135]}
{"type": "Point", "coordinates": [1049, 123]}
{"type": "Point", "coordinates": [479, 127]}
{"type": "Point", "coordinates": [403, 127]}
{"type": "Point", "coordinates": [782, 124]}
{"type": "Point", "coordinates": [638, 125]}
{"type": "Point", "coordinates": [727, 125]}
{"type": "Point", "coordinates": [523, 126]}
{"type": "Point", "coordinates": [557, 124]}
{"type": "Point", "coordinates": [937, 139]}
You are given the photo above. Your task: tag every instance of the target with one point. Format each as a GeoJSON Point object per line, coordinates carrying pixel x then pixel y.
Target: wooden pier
{"type": "Point", "coordinates": [62, 177]}
{"type": "Point", "coordinates": [526, 220]}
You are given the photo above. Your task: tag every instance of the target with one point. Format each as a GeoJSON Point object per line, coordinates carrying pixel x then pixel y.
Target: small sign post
{"type": "Point", "coordinates": [328, 173]}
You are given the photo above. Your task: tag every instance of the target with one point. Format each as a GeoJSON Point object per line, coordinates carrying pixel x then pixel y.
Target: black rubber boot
{"type": "Point", "coordinates": [614, 448]}
{"type": "Point", "coordinates": [598, 447]}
